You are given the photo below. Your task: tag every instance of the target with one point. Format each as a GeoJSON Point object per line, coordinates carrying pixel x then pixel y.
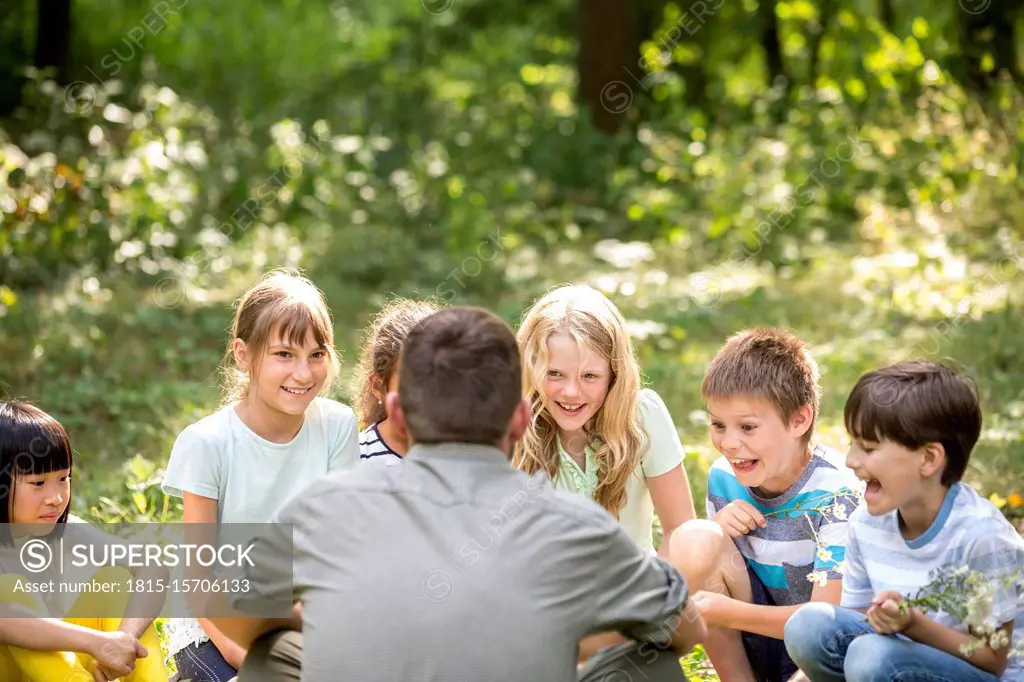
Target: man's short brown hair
{"type": "Point", "coordinates": [459, 377]}
{"type": "Point", "coordinates": [770, 364]}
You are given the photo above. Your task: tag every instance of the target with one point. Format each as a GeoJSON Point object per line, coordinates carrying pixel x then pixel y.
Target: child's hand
{"type": "Point", "coordinates": [739, 518]}
{"type": "Point", "coordinates": [886, 616]}
{"type": "Point", "coordinates": [115, 656]}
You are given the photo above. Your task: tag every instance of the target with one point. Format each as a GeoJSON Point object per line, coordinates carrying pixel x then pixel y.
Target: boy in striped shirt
{"type": "Point", "coordinates": [913, 427]}
{"type": "Point", "coordinates": [777, 506]}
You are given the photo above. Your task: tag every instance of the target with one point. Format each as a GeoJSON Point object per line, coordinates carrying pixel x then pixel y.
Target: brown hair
{"type": "Point", "coordinates": [770, 364]}
{"type": "Point", "coordinates": [282, 300]}
{"type": "Point", "coordinates": [459, 377]}
{"type": "Point", "coordinates": [916, 403]}
{"type": "Point", "coordinates": [381, 348]}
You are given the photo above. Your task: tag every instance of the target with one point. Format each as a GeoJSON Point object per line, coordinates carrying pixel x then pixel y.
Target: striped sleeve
{"type": "Point", "coordinates": [857, 593]}
{"type": "Point", "coordinates": [997, 556]}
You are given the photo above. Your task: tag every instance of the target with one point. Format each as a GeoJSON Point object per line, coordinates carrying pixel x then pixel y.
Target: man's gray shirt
{"type": "Point", "coordinates": [455, 566]}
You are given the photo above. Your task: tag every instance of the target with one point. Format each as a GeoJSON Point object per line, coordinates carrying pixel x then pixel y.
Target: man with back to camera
{"type": "Point", "coordinates": [454, 565]}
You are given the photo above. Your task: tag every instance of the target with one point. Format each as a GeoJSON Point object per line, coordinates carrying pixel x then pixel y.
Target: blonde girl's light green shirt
{"type": "Point", "coordinates": [663, 453]}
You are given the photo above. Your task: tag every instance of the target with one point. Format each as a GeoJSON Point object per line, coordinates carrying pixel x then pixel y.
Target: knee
{"type": "Point", "coordinates": [12, 592]}
{"type": "Point", "coordinates": [808, 631]}
{"type": "Point", "coordinates": [274, 656]}
{"type": "Point", "coordinates": [697, 547]}
{"type": "Point", "coordinates": [869, 659]}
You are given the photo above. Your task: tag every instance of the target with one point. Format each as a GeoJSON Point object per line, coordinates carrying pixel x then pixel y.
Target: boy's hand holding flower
{"type": "Point", "coordinates": [886, 615]}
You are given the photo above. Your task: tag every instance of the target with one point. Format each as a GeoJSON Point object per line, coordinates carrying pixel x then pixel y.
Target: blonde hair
{"type": "Point", "coordinates": [615, 433]}
{"type": "Point", "coordinates": [381, 348]}
{"type": "Point", "coordinates": [282, 300]}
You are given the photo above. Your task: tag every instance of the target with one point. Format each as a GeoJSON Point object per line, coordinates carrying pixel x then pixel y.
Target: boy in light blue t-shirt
{"type": "Point", "coordinates": [913, 426]}
{"type": "Point", "coordinates": [777, 506]}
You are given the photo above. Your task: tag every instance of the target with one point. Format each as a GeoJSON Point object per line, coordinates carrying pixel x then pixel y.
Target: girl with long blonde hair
{"type": "Point", "coordinates": [595, 430]}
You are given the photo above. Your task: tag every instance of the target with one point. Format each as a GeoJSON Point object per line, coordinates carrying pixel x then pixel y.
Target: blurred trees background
{"type": "Point", "coordinates": [850, 168]}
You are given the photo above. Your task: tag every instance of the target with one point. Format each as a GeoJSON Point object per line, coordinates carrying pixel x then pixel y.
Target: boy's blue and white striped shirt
{"type": "Point", "coordinates": [969, 531]}
{"type": "Point", "coordinates": [812, 512]}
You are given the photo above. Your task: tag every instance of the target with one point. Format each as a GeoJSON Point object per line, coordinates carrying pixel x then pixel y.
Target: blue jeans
{"type": "Point", "coordinates": [203, 663]}
{"type": "Point", "coordinates": [833, 644]}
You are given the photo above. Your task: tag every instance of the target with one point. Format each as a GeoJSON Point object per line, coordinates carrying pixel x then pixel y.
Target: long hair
{"type": "Point", "coordinates": [381, 349]}
{"type": "Point", "coordinates": [31, 443]}
{"type": "Point", "coordinates": [615, 433]}
{"type": "Point", "coordinates": [283, 299]}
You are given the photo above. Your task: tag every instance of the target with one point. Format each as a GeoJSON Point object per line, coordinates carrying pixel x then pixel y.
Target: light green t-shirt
{"type": "Point", "coordinates": [663, 453]}
{"type": "Point", "coordinates": [252, 478]}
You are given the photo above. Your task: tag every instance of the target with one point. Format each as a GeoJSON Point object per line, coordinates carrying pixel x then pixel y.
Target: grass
{"type": "Point", "coordinates": [125, 366]}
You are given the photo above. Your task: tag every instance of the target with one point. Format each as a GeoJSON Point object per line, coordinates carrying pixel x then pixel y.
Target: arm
{"type": "Point", "coordinates": [673, 503]}
{"type": "Point", "coordinates": [114, 651]}
{"type": "Point", "coordinates": [926, 631]}
{"type": "Point", "coordinates": [769, 621]}
{"type": "Point", "coordinates": [199, 509]}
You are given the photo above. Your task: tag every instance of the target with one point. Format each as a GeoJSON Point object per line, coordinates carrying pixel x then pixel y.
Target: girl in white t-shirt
{"type": "Point", "coordinates": [379, 442]}
{"type": "Point", "coordinates": [594, 430]}
{"type": "Point", "coordinates": [272, 437]}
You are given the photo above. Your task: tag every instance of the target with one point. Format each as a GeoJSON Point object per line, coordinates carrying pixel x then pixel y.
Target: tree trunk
{"type": "Point", "coordinates": [887, 14]}
{"type": "Point", "coordinates": [988, 32]}
{"type": "Point", "coordinates": [53, 37]}
{"type": "Point", "coordinates": [770, 43]}
{"type": "Point", "coordinates": [608, 61]}
{"type": "Point", "coordinates": [826, 9]}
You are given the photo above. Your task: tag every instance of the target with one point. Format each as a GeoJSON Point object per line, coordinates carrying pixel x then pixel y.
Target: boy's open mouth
{"type": "Point", "coordinates": [872, 488]}
{"type": "Point", "coordinates": [743, 466]}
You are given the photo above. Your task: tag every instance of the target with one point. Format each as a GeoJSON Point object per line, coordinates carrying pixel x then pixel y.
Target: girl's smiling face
{"type": "Point", "coordinates": [577, 382]}
{"type": "Point", "coordinates": [41, 499]}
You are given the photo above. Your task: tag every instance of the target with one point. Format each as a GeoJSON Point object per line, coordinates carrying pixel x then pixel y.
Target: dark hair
{"type": "Point", "coordinates": [382, 345]}
{"type": "Point", "coordinates": [31, 443]}
{"type": "Point", "coordinates": [770, 364]}
{"type": "Point", "coordinates": [916, 403]}
{"type": "Point", "coordinates": [460, 377]}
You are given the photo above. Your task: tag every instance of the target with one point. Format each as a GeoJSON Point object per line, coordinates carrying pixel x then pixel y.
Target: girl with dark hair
{"type": "Point", "coordinates": [36, 461]}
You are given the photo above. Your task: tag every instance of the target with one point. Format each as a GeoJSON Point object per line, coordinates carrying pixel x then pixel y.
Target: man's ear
{"type": "Point", "coordinates": [520, 421]}
{"type": "Point", "coordinates": [396, 416]}
{"type": "Point", "coordinates": [241, 352]}
{"type": "Point", "coordinates": [933, 459]}
{"type": "Point", "coordinates": [801, 421]}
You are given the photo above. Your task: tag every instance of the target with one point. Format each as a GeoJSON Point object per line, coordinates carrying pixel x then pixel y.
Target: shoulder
{"type": "Point", "coordinates": [651, 408]}
{"type": "Point", "coordinates": [979, 525]}
{"type": "Point", "coordinates": [212, 429]}
{"type": "Point", "coordinates": [331, 411]}
{"type": "Point", "coordinates": [663, 451]}
{"type": "Point", "coordinates": [830, 472]}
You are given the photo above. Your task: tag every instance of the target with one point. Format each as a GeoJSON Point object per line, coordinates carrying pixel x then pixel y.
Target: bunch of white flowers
{"type": "Point", "coordinates": [968, 596]}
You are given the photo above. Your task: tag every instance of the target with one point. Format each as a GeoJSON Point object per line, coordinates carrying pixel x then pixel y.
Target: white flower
{"type": "Point", "coordinates": [818, 577]}
{"type": "Point", "coordinates": [999, 639]}
{"type": "Point", "coordinates": [824, 554]}
{"type": "Point", "coordinates": [839, 511]}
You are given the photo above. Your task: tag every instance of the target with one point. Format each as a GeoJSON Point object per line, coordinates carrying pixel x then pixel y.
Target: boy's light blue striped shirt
{"type": "Point", "coordinates": [969, 531]}
{"type": "Point", "coordinates": [812, 512]}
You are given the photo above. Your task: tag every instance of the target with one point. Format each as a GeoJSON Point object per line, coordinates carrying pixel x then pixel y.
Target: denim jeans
{"type": "Point", "coordinates": [203, 663]}
{"type": "Point", "coordinates": [833, 644]}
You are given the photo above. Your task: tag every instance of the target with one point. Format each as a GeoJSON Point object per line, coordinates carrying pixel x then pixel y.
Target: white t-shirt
{"type": "Point", "coordinates": [252, 478]}
{"type": "Point", "coordinates": [663, 453]}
